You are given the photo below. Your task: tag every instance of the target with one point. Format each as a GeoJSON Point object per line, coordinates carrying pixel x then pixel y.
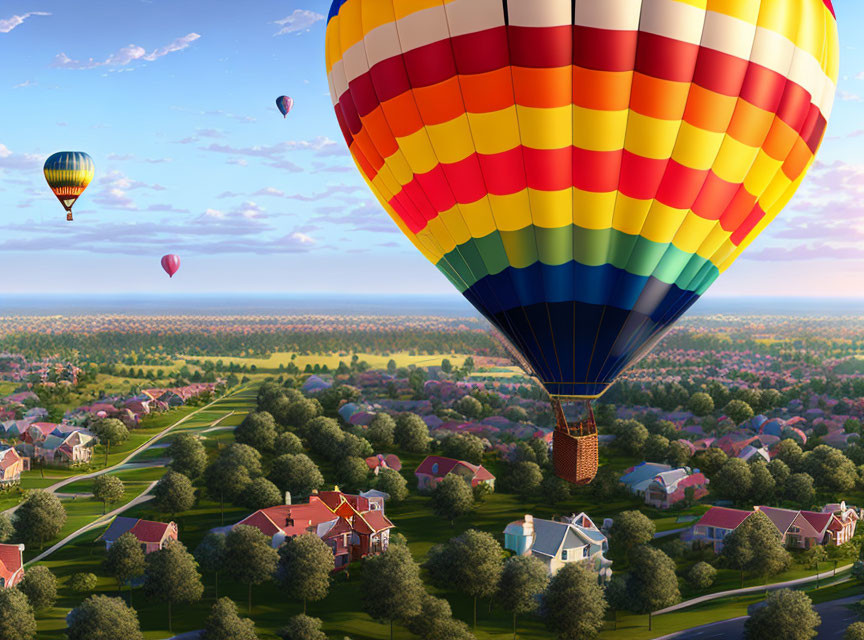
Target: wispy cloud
{"type": "Point", "coordinates": [216, 112]}
{"type": "Point", "coordinates": [27, 84]}
{"type": "Point", "coordinates": [114, 188]}
{"type": "Point", "coordinates": [299, 21]}
{"type": "Point", "coordinates": [7, 24]}
{"type": "Point", "coordinates": [126, 55]}
{"type": "Point", "coordinates": [18, 161]}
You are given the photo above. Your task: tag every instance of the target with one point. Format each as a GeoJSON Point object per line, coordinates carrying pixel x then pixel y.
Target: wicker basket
{"type": "Point", "coordinates": [575, 447]}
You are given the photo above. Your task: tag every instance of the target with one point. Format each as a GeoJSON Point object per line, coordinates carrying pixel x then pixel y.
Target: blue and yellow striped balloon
{"type": "Point", "coordinates": [68, 173]}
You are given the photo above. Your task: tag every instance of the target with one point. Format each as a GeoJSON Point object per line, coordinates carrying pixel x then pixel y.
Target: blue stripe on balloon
{"type": "Point", "coordinates": [579, 326]}
{"type": "Point", "coordinates": [334, 9]}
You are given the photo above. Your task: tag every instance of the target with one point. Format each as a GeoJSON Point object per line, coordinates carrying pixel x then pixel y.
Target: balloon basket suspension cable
{"type": "Point", "coordinates": [575, 448]}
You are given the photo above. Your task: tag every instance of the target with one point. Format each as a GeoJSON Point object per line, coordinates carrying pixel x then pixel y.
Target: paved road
{"type": "Point", "coordinates": [100, 521]}
{"type": "Point", "coordinates": [836, 616]}
{"type": "Point", "coordinates": [823, 576]}
{"type": "Point", "coordinates": [126, 461]}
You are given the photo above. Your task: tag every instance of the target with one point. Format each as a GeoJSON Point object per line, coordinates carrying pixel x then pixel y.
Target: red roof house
{"type": "Point", "coordinates": [152, 535]}
{"type": "Point", "coordinates": [12, 464]}
{"type": "Point", "coordinates": [435, 468]}
{"type": "Point", "coordinates": [11, 565]}
{"type": "Point", "coordinates": [717, 523]}
{"type": "Point", "coordinates": [805, 529]}
{"type": "Point", "coordinates": [353, 526]}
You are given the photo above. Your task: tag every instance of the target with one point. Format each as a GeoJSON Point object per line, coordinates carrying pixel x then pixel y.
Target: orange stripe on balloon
{"type": "Point", "coordinates": [662, 99]}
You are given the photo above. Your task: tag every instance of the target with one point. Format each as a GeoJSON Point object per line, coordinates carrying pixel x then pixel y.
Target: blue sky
{"type": "Point", "coordinates": [175, 102]}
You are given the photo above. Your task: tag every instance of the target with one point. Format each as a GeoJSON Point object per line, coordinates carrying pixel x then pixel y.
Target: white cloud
{"type": "Point", "coordinates": [8, 24]}
{"type": "Point", "coordinates": [300, 20]}
{"type": "Point", "coordinates": [19, 161]}
{"type": "Point", "coordinates": [126, 55]}
{"type": "Point", "coordinates": [25, 85]}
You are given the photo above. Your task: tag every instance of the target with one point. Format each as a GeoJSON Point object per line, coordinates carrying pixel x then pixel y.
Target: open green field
{"type": "Point", "coordinates": [376, 361]}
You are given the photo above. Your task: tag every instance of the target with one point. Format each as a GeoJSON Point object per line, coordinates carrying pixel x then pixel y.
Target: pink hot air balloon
{"type": "Point", "coordinates": [170, 263]}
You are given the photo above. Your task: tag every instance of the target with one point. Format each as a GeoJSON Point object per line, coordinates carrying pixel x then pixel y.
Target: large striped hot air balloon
{"type": "Point", "coordinates": [582, 170]}
{"type": "Point", "coordinates": [68, 174]}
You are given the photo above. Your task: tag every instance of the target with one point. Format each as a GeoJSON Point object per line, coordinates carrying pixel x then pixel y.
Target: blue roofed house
{"type": "Point", "coordinates": [638, 478]}
{"type": "Point", "coordinates": [575, 539]}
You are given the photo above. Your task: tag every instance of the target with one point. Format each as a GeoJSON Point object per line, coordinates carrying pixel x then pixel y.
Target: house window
{"type": "Point", "coordinates": [584, 552]}
{"type": "Point", "coordinates": [564, 555]}
{"type": "Point", "coordinates": [435, 468]}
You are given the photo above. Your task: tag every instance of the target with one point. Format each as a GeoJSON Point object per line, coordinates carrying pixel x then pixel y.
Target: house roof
{"type": "Point", "coordinates": [782, 518]}
{"type": "Point", "coordinates": [818, 521]}
{"type": "Point", "coordinates": [723, 518]}
{"type": "Point", "coordinates": [446, 465]}
{"type": "Point", "coordinates": [144, 530]}
{"type": "Point", "coordinates": [10, 560]}
{"type": "Point", "coordinates": [8, 457]}
{"type": "Point", "coordinates": [642, 472]}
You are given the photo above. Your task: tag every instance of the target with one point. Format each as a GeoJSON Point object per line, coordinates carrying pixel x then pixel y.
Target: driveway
{"type": "Point", "coordinates": [836, 616]}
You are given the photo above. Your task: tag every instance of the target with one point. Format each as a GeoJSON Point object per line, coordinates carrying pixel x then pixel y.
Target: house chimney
{"type": "Point", "coordinates": [528, 526]}
{"type": "Point", "coordinates": [288, 498]}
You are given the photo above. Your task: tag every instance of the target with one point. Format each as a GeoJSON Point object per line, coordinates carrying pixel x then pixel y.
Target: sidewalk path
{"type": "Point", "coordinates": [152, 463]}
{"type": "Point", "coordinates": [756, 589]}
{"type": "Point", "coordinates": [101, 520]}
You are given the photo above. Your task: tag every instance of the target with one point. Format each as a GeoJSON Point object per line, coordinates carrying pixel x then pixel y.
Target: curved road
{"type": "Point", "coordinates": [836, 616]}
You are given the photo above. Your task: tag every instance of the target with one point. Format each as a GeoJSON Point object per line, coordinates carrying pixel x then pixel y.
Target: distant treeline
{"type": "Point", "coordinates": [156, 347]}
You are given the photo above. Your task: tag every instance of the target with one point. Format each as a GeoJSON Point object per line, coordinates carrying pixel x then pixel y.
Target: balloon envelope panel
{"type": "Point", "coordinates": [582, 171]}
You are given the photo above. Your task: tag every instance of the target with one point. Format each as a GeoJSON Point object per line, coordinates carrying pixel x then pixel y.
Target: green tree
{"type": "Point", "coordinates": [701, 575]}
{"type": "Point", "coordinates": [779, 470]}
{"type": "Point", "coordinates": [258, 430]}
{"type": "Point", "coordinates": [39, 518]}
{"type": "Point", "coordinates": [223, 623]}
{"type": "Point", "coordinates": [756, 547]}
{"type": "Point", "coordinates": [523, 579]}
{"type": "Point", "coordinates": [17, 621]}
{"type": "Point", "coordinates": [300, 413]}
{"type": "Point", "coordinates": [789, 452]}
{"type": "Point", "coordinates": [411, 433]}
{"type": "Point", "coordinates": [305, 565]}
{"type": "Point", "coordinates": [786, 614]}
{"type": "Point", "coordinates": [555, 490]}
{"type": "Point", "coordinates": [452, 498]}
{"type": "Point", "coordinates": [353, 473]}
{"type": "Point", "coordinates": [813, 556]}
{"type": "Point", "coordinates": [6, 528]}
{"type": "Point", "coordinates": [679, 454]}
{"type": "Point", "coordinates": [302, 627]}
{"type": "Point", "coordinates": [171, 576]}
{"type": "Point", "coordinates": [229, 474]}
{"type": "Point", "coordinates": [734, 481]}
{"type": "Point", "coordinates": [392, 589]}
{"type": "Point", "coordinates": [446, 365]}
{"type": "Point", "coordinates": [701, 404]}
{"type": "Point", "coordinates": [40, 587]}
{"type": "Point", "coordinates": [800, 489]}
{"type": "Point", "coordinates": [83, 582]}
{"type": "Point", "coordinates": [524, 478]}
{"type": "Point", "coordinates": [249, 558]}
{"type": "Point", "coordinates": [210, 555]}
{"type": "Point", "coordinates": [710, 461]}
{"type": "Point", "coordinates": [108, 490]}
{"type": "Point", "coordinates": [738, 411]}
{"type": "Point", "coordinates": [110, 431]}
{"type": "Point", "coordinates": [632, 438]}
{"type": "Point", "coordinates": [381, 431]}
{"type": "Point", "coordinates": [394, 484]}
{"type": "Point", "coordinates": [435, 621]}
{"type": "Point", "coordinates": [124, 559]}
{"type": "Point", "coordinates": [763, 488]}
{"type": "Point", "coordinates": [103, 618]}
{"type": "Point", "coordinates": [463, 446]}
{"type": "Point", "coordinates": [656, 448]}
{"type": "Point", "coordinates": [830, 469]}
{"type": "Point", "coordinates": [188, 455]}
{"type": "Point", "coordinates": [469, 406]}
{"type": "Point", "coordinates": [854, 631]}
{"type": "Point", "coordinates": [296, 473]}
{"type": "Point", "coordinates": [173, 494]}
{"type": "Point", "coordinates": [287, 443]}
{"type": "Point", "coordinates": [260, 494]}
{"type": "Point", "coordinates": [470, 563]}
{"type": "Point", "coordinates": [651, 583]}
{"type": "Point", "coordinates": [574, 584]}
{"type": "Point", "coordinates": [630, 528]}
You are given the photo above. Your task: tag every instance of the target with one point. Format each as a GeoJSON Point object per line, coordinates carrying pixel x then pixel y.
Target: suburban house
{"type": "Point", "coordinates": [575, 539]}
{"type": "Point", "coordinates": [353, 526]}
{"type": "Point", "coordinates": [842, 525]}
{"type": "Point", "coordinates": [714, 525]}
{"type": "Point", "coordinates": [152, 535]}
{"type": "Point", "coordinates": [381, 461]}
{"type": "Point", "coordinates": [12, 464]}
{"type": "Point", "coordinates": [435, 468]}
{"type": "Point", "coordinates": [637, 478]}
{"type": "Point", "coordinates": [11, 565]}
{"type": "Point", "coordinates": [670, 487]}
{"type": "Point", "coordinates": [71, 448]}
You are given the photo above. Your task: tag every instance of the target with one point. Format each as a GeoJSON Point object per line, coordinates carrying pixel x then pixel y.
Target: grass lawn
{"type": "Point", "coordinates": [376, 361]}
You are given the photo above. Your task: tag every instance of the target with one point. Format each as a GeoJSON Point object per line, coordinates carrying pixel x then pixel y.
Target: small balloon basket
{"type": "Point", "coordinates": [574, 445]}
